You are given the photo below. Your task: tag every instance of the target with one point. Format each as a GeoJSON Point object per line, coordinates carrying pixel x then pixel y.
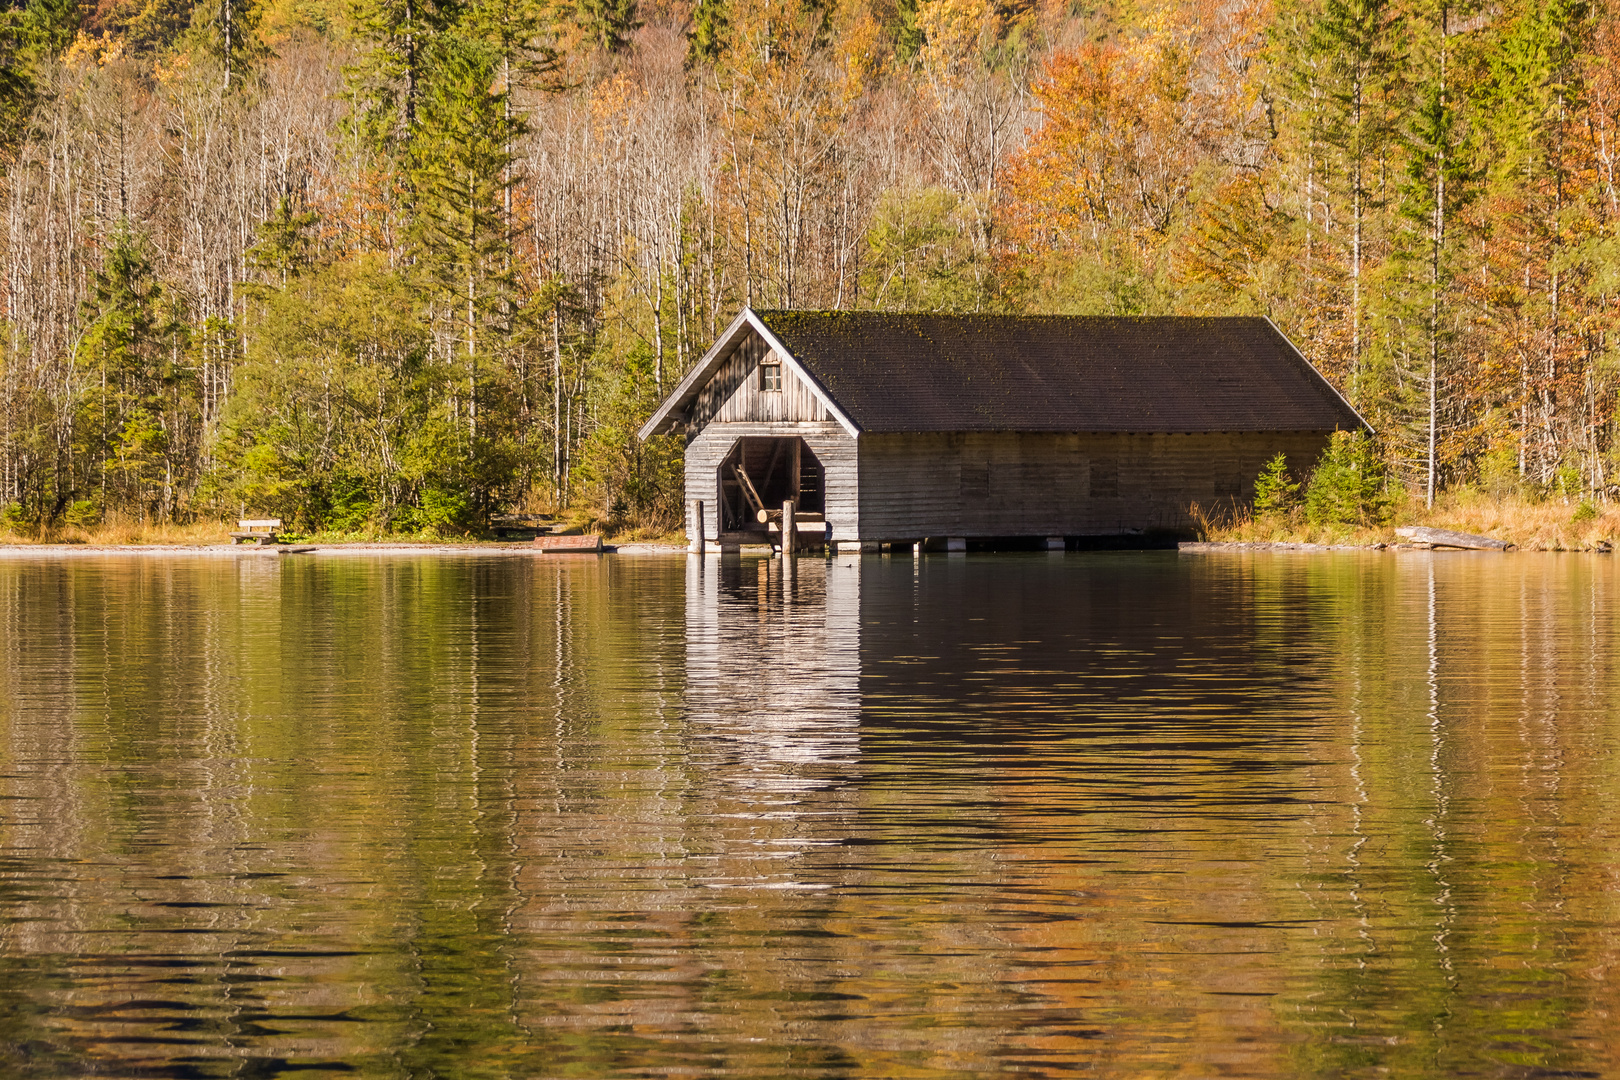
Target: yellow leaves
{"type": "Point", "coordinates": [1070, 181]}
{"type": "Point", "coordinates": [1237, 244]}
{"type": "Point", "coordinates": [860, 48]}
{"type": "Point", "coordinates": [87, 51]}
{"type": "Point", "coordinates": [613, 101]}
{"type": "Point", "coordinates": [171, 71]}
{"type": "Point", "coordinates": [774, 33]}
{"type": "Point", "coordinates": [954, 31]}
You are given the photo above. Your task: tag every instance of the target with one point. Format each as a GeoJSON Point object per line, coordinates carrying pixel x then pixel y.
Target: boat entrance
{"type": "Point", "coordinates": [760, 474]}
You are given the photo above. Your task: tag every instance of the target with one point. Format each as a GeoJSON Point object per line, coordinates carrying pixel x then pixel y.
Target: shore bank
{"type": "Point", "coordinates": [1528, 524]}
{"type": "Point", "coordinates": [27, 551]}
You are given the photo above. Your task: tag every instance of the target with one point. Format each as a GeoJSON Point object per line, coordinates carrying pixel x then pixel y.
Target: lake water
{"type": "Point", "coordinates": [1126, 814]}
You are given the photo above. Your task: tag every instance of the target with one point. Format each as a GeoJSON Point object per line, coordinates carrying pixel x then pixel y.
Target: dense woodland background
{"type": "Point", "coordinates": [400, 264]}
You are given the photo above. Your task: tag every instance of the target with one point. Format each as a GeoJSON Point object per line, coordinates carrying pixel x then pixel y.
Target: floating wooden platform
{"type": "Point", "coordinates": [588, 544]}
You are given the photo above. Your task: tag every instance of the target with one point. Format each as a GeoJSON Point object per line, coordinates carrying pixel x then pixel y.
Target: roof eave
{"type": "Point", "coordinates": [804, 375]}
{"type": "Point", "coordinates": [663, 420]}
{"type": "Point", "coordinates": [668, 414]}
{"type": "Point", "coordinates": [1362, 420]}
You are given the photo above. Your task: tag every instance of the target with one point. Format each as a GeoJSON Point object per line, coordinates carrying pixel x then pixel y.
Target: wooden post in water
{"type": "Point", "coordinates": [695, 540]}
{"type": "Point", "coordinates": [790, 531]}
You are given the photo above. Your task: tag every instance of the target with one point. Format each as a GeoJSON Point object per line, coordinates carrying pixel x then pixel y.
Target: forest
{"type": "Point", "coordinates": [397, 265]}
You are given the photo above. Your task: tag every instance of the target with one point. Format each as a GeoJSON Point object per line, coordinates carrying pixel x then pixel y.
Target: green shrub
{"type": "Point", "coordinates": [1567, 482]}
{"type": "Point", "coordinates": [1274, 490]}
{"type": "Point", "coordinates": [83, 514]}
{"type": "Point", "coordinates": [1348, 487]}
{"type": "Point", "coordinates": [1586, 511]}
{"type": "Point", "coordinates": [444, 510]}
{"type": "Point", "coordinates": [14, 518]}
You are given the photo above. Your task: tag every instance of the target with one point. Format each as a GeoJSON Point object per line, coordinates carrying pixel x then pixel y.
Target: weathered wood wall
{"type": "Point", "coordinates": [733, 394]}
{"type": "Point", "coordinates": [908, 487]}
{"type": "Point", "coordinates": [1009, 484]}
{"type": "Point", "coordinates": [826, 439]}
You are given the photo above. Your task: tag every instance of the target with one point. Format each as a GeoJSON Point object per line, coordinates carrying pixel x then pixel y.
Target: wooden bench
{"type": "Point", "coordinates": [521, 526]}
{"type": "Point", "coordinates": [256, 531]}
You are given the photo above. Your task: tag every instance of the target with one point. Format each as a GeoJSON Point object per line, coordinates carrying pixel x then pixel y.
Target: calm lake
{"type": "Point", "coordinates": [1125, 813]}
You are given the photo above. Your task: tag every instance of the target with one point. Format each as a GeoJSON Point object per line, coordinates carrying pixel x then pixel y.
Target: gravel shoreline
{"type": "Point", "coordinates": [27, 551]}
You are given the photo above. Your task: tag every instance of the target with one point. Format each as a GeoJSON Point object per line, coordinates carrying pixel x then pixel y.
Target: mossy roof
{"type": "Point", "coordinates": [1050, 373]}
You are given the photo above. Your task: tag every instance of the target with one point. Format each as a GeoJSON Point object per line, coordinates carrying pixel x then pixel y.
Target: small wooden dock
{"type": "Point", "coordinates": [587, 544]}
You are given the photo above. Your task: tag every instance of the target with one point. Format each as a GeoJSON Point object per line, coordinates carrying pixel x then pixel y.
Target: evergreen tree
{"type": "Point", "coordinates": [1440, 181]}
{"type": "Point", "coordinates": [608, 24]}
{"type": "Point", "coordinates": [521, 33]}
{"type": "Point", "coordinates": [1347, 76]}
{"type": "Point", "coordinates": [460, 159]}
{"type": "Point", "coordinates": [126, 427]}
{"type": "Point", "coordinates": [1530, 102]}
{"type": "Point", "coordinates": [28, 36]}
{"type": "Point", "coordinates": [228, 31]}
{"type": "Point", "coordinates": [908, 32]}
{"type": "Point", "coordinates": [706, 40]}
{"type": "Point", "coordinates": [285, 247]}
{"type": "Point", "coordinates": [386, 82]}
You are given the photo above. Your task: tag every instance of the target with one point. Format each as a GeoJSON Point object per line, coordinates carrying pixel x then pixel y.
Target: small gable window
{"type": "Point", "coordinates": [770, 373]}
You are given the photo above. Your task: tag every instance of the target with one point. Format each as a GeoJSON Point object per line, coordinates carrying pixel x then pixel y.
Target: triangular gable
{"type": "Point", "coordinates": [674, 408]}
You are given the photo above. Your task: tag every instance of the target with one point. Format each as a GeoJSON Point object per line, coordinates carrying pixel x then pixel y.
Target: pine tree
{"type": "Point", "coordinates": [124, 429]}
{"type": "Point", "coordinates": [228, 30]}
{"type": "Point", "coordinates": [1348, 71]}
{"type": "Point", "coordinates": [707, 40]}
{"type": "Point", "coordinates": [908, 32]}
{"type": "Point", "coordinates": [608, 23]}
{"type": "Point", "coordinates": [28, 36]}
{"type": "Point", "coordinates": [1440, 182]}
{"type": "Point", "coordinates": [386, 82]}
{"type": "Point", "coordinates": [460, 157]}
{"type": "Point", "coordinates": [1530, 107]}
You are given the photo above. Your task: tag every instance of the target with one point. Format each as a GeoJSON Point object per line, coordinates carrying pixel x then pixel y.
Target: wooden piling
{"type": "Point", "coordinates": [790, 531]}
{"type": "Point", "coordinates": [695, 542]}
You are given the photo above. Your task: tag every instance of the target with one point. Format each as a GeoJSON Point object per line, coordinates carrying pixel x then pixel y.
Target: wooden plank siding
{"type": "Point", "coordinates": [991, 484]}
{"type": "Point", "coordinates": [826, 439]}
{"type": "Point", "coordinates": [734, 394]}
{"type": "Point", "coordinates": [732, 406]}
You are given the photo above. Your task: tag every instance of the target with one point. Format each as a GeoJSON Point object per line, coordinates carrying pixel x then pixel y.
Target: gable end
{"type": "Point", "coordinates": [725, 387]}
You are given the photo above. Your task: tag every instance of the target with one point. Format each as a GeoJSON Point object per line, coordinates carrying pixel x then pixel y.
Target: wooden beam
{"type": "Point", "coordinates": [770, 468]}
{"type": "Point", "coordinates": [747, 486]}
{"type": "Point", "coordinates": [793, 487]}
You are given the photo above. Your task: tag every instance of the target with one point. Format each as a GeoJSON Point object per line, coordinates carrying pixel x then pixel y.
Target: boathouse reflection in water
{"type": "Point", "coordinates": [773, 666]}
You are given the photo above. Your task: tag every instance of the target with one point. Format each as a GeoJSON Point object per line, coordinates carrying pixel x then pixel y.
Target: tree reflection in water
{"type": "Point", "coordinates": [512, 816]}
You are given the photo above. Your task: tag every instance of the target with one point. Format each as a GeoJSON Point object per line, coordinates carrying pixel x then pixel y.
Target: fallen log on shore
{"type": "Point", "coordinates": [1422, 534]}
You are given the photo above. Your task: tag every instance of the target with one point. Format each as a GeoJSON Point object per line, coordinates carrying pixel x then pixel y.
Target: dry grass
{"type": "Point", "coordinates": [118, 533]}
{"type": "Point", "coordinates": [1547, 525]}
{"type": "Point", "coordinates": [199, 534]}
{"type": "Point", "coordinates": [1534, 525]}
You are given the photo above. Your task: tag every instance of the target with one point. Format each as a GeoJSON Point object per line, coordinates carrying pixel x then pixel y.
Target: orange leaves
{"type": "Point", "coordinates": [1128, 129]}
{"type": "Point", "coordinates": [1067, 186]}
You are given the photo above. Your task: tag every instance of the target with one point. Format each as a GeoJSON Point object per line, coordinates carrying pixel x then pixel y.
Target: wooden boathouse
{"type": "Point", "coordinates": [949, 429]}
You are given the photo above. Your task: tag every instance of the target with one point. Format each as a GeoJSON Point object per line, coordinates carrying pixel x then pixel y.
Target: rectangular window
{"type": "Point", "coordinates": [770, 375]}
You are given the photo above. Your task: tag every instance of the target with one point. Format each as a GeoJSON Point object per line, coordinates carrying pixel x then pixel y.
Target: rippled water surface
{"type": "Point", "coordinates": [1120, 813]}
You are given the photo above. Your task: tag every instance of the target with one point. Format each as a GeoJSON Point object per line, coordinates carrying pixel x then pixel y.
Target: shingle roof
{"type": "Point", "coordinates": [882, 372]}
{"type": "Point", "coordinates": [1054, 373]}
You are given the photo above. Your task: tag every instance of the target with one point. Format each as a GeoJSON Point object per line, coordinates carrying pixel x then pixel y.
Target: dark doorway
{"type": "Point", "coordinates": [761, 473]}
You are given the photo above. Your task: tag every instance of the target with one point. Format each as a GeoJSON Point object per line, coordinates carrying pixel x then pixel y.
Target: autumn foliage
{"type": "Point", "coordinates": [390, 265]}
